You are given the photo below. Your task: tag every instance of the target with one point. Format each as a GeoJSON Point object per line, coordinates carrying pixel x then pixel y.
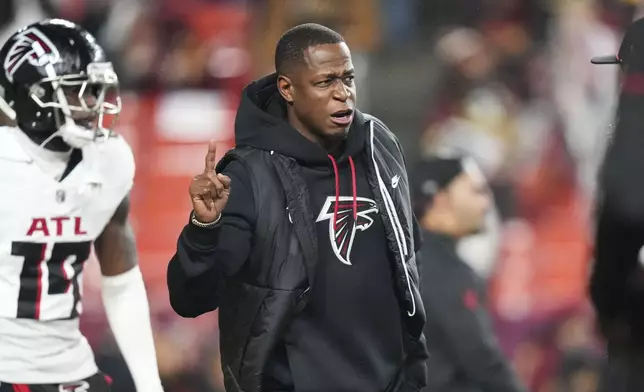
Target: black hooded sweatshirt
{"type": "Point", "coordinates": [349, 336]}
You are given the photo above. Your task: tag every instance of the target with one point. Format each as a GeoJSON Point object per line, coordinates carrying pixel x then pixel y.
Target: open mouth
{"type": "Point", "coordinates": [342, 117]}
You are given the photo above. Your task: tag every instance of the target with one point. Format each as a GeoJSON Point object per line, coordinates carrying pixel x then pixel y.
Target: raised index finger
{"type": "Point", "coordinates": [211, 157]}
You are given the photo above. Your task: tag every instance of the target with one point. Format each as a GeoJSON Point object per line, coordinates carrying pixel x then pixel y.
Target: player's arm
{"type": "Point", "coordinates": [205, 256]}
{"type": "Point", "coordinates": [125, 299]}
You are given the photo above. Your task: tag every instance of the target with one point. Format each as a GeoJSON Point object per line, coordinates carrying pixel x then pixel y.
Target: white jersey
{"type": "Point", "coordinates": [47, 231]}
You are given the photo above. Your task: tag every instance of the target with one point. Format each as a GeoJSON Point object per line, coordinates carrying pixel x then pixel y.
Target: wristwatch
{"type": "Point", "coordinates": [196, 222]}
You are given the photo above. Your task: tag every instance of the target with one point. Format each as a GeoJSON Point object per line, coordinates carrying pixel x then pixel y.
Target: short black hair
{"type": "Point", "coordinates": [292, 44]}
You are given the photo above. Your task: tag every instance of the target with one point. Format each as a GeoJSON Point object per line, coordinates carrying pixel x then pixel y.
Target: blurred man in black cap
{"type": "Point", "coordinates": [617, 281]}
{"type": "Point", "coordinates": [451, 199]}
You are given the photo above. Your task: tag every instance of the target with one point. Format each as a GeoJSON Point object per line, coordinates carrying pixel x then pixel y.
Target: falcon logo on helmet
{"type": "Point", "coordinates": [30, 45]}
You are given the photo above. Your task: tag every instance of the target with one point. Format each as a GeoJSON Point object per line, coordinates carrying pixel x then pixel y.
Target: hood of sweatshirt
{"type": "Point", "coordinates": [261, 123]}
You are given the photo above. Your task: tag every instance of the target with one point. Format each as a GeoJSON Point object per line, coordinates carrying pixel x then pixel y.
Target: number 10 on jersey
{"type": "Point", "coordinates": [50, 269]}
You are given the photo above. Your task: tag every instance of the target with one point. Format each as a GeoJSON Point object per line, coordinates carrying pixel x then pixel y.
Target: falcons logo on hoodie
{"type": "Point", "coordinates": [342, 230]}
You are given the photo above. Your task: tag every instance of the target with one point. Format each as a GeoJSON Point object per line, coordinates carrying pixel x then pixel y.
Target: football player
{"type": "Point", "coordinates": [64, 180]}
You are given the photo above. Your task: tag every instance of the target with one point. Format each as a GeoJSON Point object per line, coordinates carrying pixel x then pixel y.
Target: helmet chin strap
{"type": "Point", "coordinates": [7, 109]}
{"type": "Point", "coordinates": [73, 135]}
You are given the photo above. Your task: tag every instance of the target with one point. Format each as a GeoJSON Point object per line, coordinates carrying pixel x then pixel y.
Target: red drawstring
{"type": "Point", "coordinates": [354, 187]}
{"type": "Point", "coordinates": [337, 192]}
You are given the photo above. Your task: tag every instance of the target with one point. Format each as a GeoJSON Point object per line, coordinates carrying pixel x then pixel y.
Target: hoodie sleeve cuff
{"type": "Point", "coordinates": [204, 238]}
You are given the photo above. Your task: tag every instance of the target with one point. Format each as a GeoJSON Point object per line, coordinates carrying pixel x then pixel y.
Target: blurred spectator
{"type": "Point", "coordinates": [579, 373]}
{"type": "Point", "coordinates": [585, 96]}
{"type": "Point", "coordinates": [476, 111]}
{"type": "Point", "coordinates": [17, 13]}
{"type": "Point", "coordinates": [400, 25]}
{"type": "Point", "coordinates": [451, 201]}
{"type": "Point", "coordinates": [481, 250]}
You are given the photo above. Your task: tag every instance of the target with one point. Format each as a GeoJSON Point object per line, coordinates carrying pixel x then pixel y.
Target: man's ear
{"type": "Point", "coordinates": [285, 87]}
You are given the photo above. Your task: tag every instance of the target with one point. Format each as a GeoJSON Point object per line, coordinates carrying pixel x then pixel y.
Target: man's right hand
{"type": "Point", "coordinates": [209, 191]}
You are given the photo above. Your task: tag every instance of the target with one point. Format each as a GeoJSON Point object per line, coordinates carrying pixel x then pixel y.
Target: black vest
{"type": "Point", "coordinates": [272, 286]}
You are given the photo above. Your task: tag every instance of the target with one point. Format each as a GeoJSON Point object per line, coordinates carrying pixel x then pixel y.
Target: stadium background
{"type": "Point", "coordinates": [508, 81]}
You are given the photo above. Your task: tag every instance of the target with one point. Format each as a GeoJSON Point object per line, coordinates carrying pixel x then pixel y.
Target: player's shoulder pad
{"type": "Point", "coordinates": [117, 158]}
{"type": "Point", "coordinates": [9, 146]}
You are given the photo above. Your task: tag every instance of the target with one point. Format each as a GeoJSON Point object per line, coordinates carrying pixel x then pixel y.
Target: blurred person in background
{"type": "Point", "coordinates": [15, 14]}
{"type": "Point", "coordinates": [451, 199]}
{"type": "Point", "coordinates": [481, 250]}
{"type": "Point", "coordinates": [584, 96]}
{"type": "Point", "coordinates": [475, 111]}
{"type": "Point", "coordinates": [617, 281]}
{"type": "Point", "coordinates": [579, 372]}
{"type": "Point", "coordinates": [66, 179]}
{"type": "Point", "coordinates": [303, 236]}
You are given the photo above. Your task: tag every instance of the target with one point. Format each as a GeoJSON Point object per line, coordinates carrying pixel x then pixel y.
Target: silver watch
{"type": "Point", "coordinates": [196, 222]}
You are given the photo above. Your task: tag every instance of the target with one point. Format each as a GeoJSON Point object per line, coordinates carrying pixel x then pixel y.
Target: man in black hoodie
{"type": "Point", "coordinates": [304, 238]}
